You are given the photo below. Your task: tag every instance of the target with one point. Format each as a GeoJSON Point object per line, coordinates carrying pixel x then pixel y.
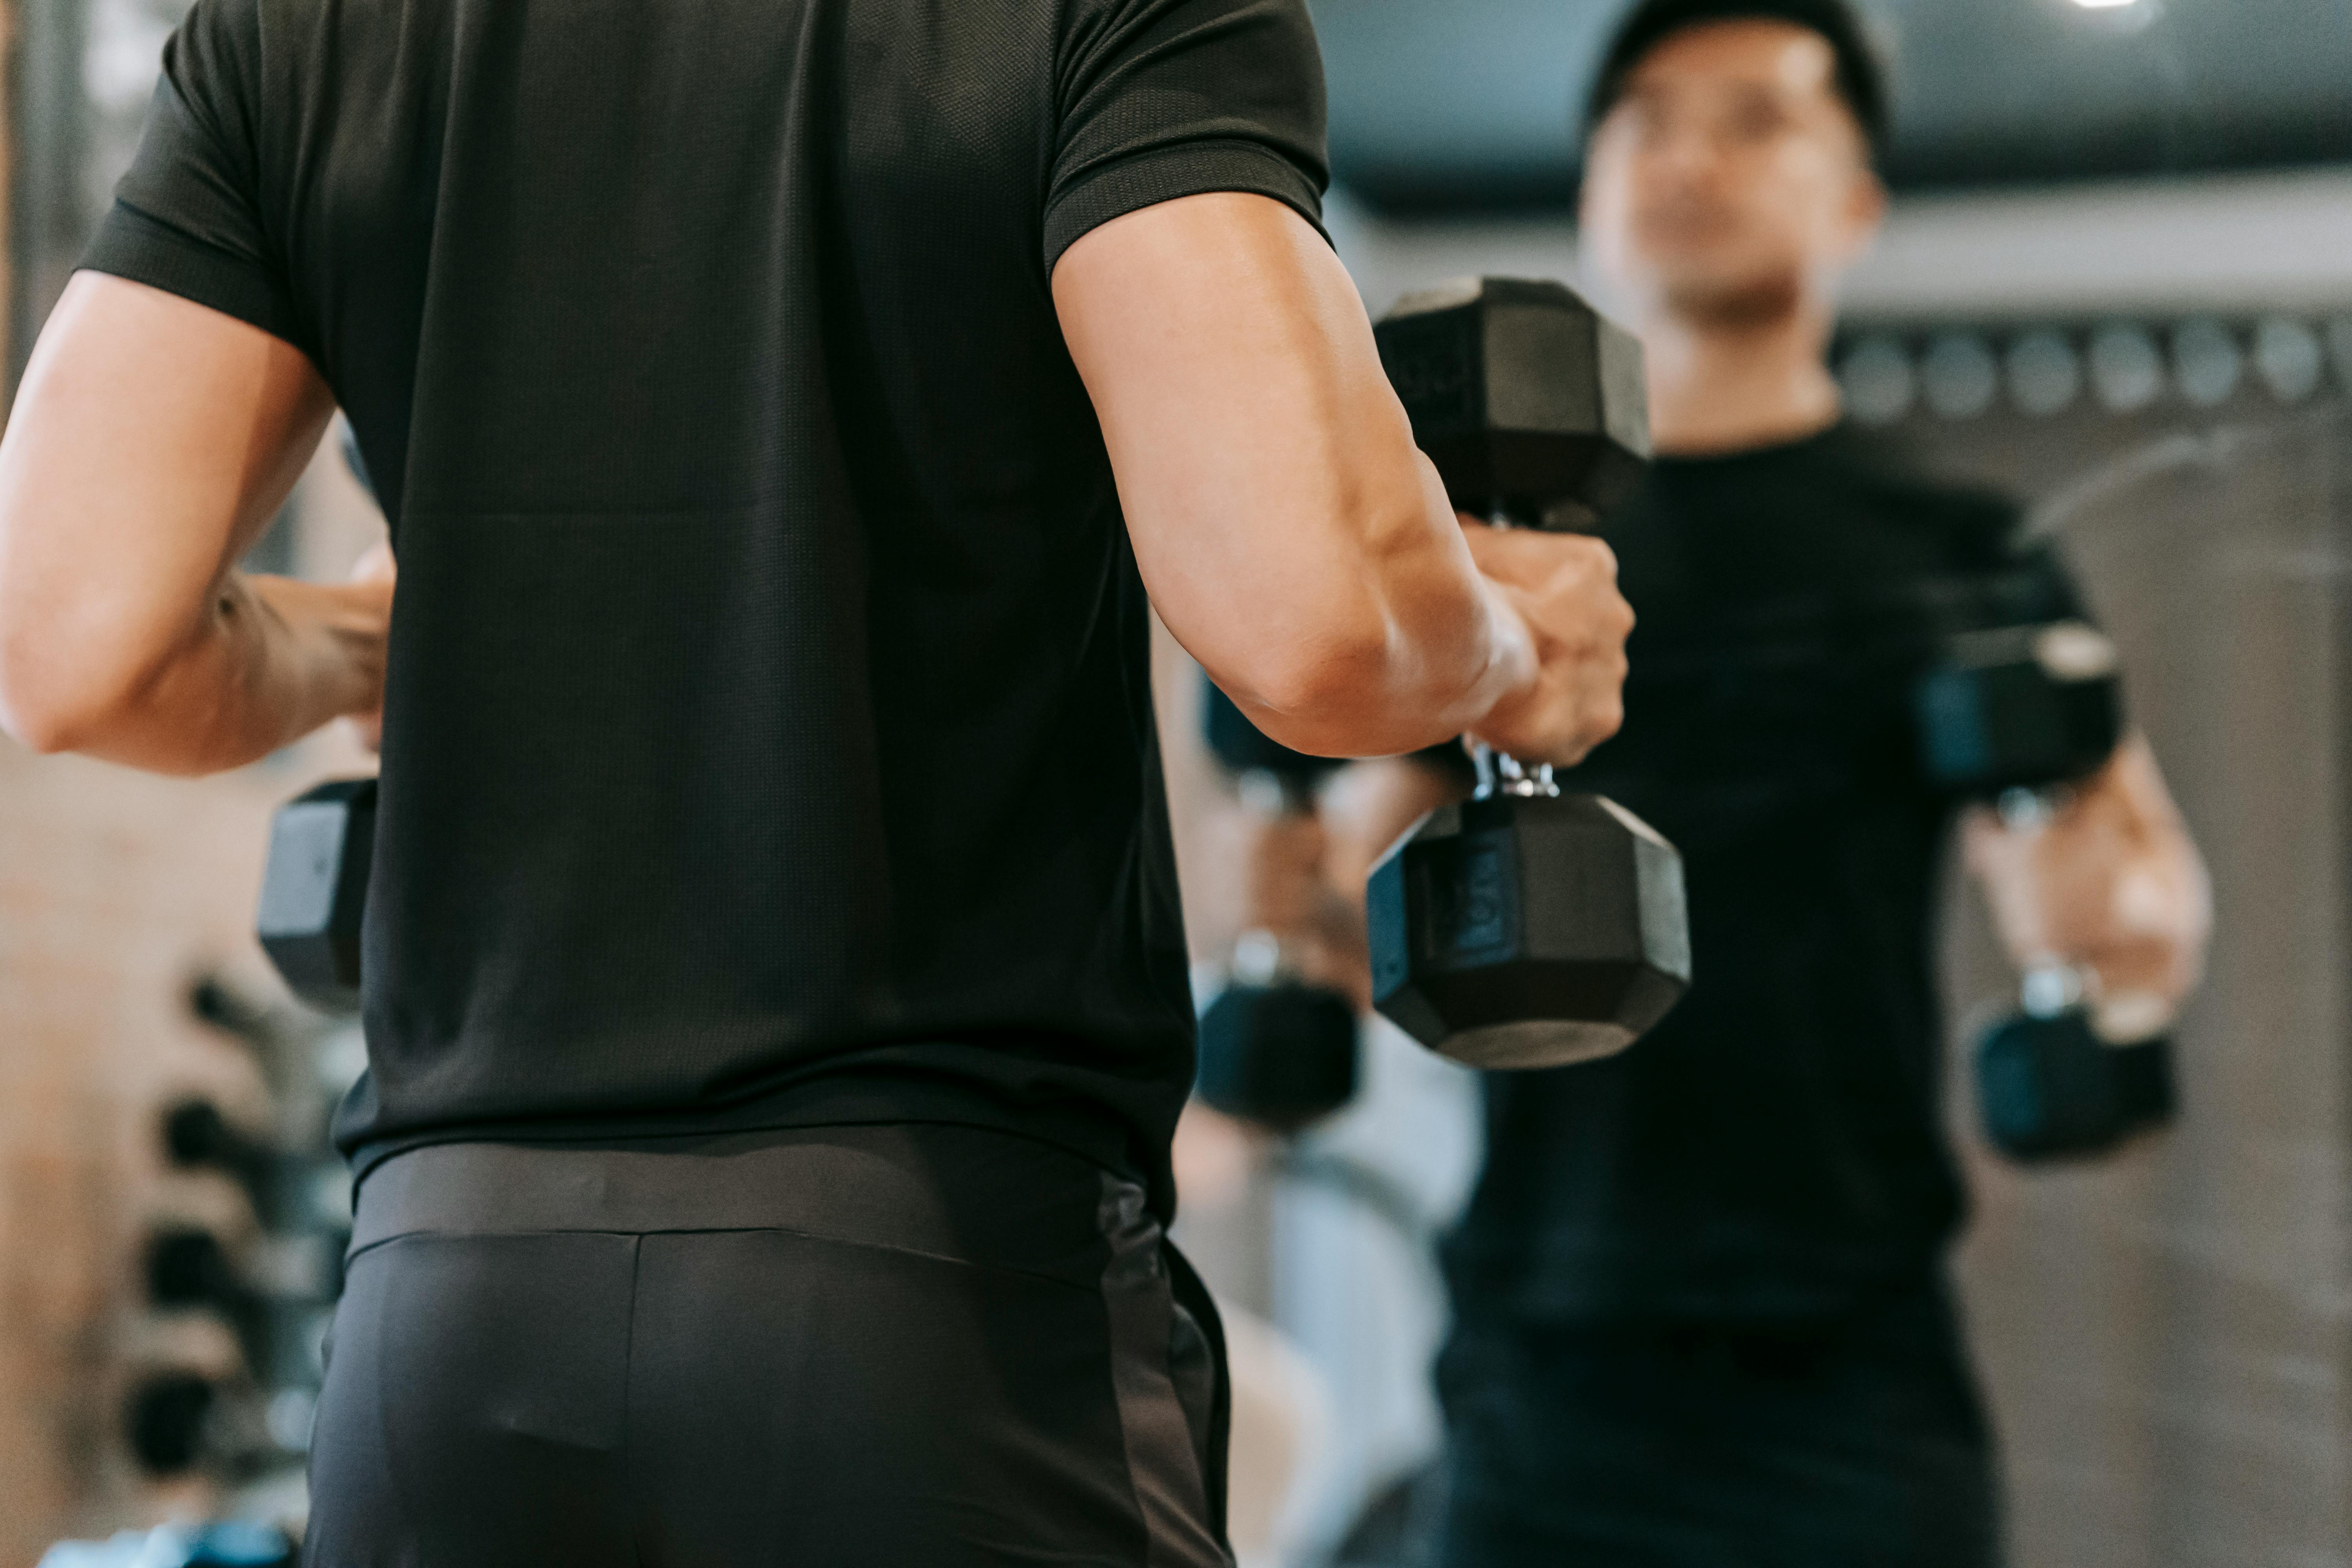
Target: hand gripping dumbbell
{"type": "Point", "coordinates": [1524, 927]}
{"type": "Point", "coordinates": [1274, 1049]}
{"type": "Point", "coordinates": [314, 889]}
{"type": "Point", "coordinates": [2013, 717]}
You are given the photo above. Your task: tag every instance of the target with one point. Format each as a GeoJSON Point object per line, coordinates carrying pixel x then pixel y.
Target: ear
{"type": "Point", "coordinates": [1865, 210]}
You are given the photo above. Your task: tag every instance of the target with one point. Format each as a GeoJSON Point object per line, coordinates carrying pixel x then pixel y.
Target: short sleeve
{"type": "Point", "coordinates": [1163, 99]}
{"type": "Point", "coordinates": [188, 217]}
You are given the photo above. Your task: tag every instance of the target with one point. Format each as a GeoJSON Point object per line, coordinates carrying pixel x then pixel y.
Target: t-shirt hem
{"type": "Point", "coordinates": [1165, 174]}
{"type": "Point", "coordinates": [137, 246]}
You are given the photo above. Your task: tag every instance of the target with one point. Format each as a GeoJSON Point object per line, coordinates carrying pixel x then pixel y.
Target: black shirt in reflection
{"type": "Point", "coordinates": [1774, 1148]}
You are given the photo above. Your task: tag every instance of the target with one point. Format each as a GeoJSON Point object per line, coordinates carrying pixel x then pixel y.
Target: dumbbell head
{"type": "Point", "coordinates": [314, 891]}
{"type": "Point", "coordinates": [2020, 707]}
{"type": "Point", "coordinates": [1517, 931]}
{"type": "Point", "coordinates": [196, 1136]}
{"type": "Point", "coordinates": [165, 1417]}
{"type": "Point", "coordinates": [2051, 1089]}
{"type": "Point", "coordinates": [1282, 1054]}
{"type": "Point", "coordinates": [186, 1269]}
{"type": "Point", "coordinates": [1528, 402]}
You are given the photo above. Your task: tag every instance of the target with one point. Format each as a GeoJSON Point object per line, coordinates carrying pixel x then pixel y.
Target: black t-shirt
{"type": "Point", "coordinates": [1775, 1147]}
{"type": "Point", "coordinates": [769, 738]}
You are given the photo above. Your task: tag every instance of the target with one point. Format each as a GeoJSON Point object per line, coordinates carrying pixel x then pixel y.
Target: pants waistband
{"type": "Point", "coordinates": [963, 1192]}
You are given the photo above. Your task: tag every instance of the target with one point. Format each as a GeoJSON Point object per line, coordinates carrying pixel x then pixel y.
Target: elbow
{"type": "Point", "coordinates": [36, 714]}
{"type": "Point", "coordinates": [55, 698]}
{"type": "Point", "coordinates": [1311, 701]}
{"type": "Point", "coordinates": [1337, 696]}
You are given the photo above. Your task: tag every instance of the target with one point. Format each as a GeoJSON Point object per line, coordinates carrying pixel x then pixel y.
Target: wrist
{"type": "Point", "coordinates": [1512, 670]}
{"type": "Point", "coordinates": [326, 647]}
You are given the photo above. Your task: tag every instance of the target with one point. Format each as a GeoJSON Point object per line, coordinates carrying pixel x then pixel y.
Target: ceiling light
{"type": "Point", "coordinates": [2105, 5]}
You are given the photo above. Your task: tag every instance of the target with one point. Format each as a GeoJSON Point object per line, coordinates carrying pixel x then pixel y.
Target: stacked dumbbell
{"type": "Point", "coordinates": [1275, 1049]}
{"type": "Point", "coordinates": [1525, 927]}
{"type": "Point", "coordinates": [271, 1290]}
{"type": "Point", "coordinates": [2013, 718]}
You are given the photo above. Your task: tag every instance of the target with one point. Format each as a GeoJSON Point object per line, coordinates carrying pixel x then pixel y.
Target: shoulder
{"type": "Point", "coordinates": [213, 56]}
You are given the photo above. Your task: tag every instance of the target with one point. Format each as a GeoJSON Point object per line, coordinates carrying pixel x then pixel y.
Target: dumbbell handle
{"type": "Point", "coordinates": [1499, 772]}
{"type": "Point", "coordinates": [2053, 987]}
{"type": "Point", "coordinates": [2027, 810]}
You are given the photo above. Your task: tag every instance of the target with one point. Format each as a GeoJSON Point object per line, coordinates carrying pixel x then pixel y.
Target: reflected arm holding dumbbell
{"type": "Point", "coordinates": [2094, 885]}
{"type": "Point", "coordinates": [2109, 886]}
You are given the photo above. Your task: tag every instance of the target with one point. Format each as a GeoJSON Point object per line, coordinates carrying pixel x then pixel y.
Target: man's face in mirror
{"type": "Point", "coordinates": [1731, 180]}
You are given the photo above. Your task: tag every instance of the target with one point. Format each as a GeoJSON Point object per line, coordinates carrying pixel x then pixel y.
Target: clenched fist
{"type": "Point", "coordinates": [1563, 587]}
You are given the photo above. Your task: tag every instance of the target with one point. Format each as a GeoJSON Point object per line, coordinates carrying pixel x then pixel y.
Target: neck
{"type": "Point", "coordinates": [1719, 387]}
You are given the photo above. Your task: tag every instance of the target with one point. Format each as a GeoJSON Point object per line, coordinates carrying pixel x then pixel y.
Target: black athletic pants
{"type": "Point", "coordinates": [911, 1346]}
{"type": "Point", "coordinates": [1855, 1442]}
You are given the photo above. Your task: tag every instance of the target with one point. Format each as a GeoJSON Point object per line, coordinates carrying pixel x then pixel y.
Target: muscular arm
{"type": "Point", "coordinates": [2113, 883]}
{"type": "Point", "coordinates": [1290, 535]}
{"type": "Point", "coordinates": [152, 440]}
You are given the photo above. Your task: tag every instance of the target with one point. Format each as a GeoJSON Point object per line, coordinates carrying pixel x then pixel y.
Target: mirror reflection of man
{"type": "Point", "coordinates": [1702, 1315]}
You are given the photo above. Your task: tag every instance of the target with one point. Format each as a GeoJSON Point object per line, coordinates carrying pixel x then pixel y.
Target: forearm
{"type": "Point", "coordinates": [1416, 649]}
{"type": "Point", "coordinates": [1291, 536]}
{"type": "Point", "coordinates": [267, 660]}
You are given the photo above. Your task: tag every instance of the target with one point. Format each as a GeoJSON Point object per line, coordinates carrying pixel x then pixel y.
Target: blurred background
{"type": "Point", "coordinates": [2118, 282]}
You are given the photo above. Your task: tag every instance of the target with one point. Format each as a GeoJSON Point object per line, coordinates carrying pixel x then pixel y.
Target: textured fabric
{"type": "Point", "coordinates": [849, 1346]}
{"type": "Point", "coordinates": [1855, 1442]}
{"type": "Point", "coordinates": [1776, 1147]}
{"type": "Point", "coordinates": [769, 735]}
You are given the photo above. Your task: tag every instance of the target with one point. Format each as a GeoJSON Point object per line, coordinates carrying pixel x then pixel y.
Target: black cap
{"type": "Point", "coordinates": [1861, 73]}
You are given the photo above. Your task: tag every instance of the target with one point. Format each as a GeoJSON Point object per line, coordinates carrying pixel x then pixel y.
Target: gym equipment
{"type": "Point", "coordinates": [1525, 928]}
{"type": "Point", "coordinates": [2020, 707]}
{"type": "Point", "coordinates": [314, 891]}
{"type": "Point", "coordinates": [1273, 1049]}
{"type": "Point", "coordinates": [2051, 1086]}
{"type": "Point", "coordinates": [179, 1422]}
{"type": "Point", "coordinates": [2015, 717]}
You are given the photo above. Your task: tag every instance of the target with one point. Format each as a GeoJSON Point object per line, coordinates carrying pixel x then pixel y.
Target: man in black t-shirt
{"type": "Point", "coordinates": [1700, 1316]}
{"type": "Point", "coordinates": [774, 992]}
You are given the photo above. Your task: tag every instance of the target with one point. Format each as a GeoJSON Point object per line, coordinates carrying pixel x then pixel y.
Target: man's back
{"type": "Point", "coordinates": [767, 736]}
{"type": "Point", "coordinates": [768, 748]}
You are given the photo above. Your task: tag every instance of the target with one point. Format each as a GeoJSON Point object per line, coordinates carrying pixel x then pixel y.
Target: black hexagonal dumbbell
{"type": "Point", "coordinates": [2052, 1085]}
{"type": "Point", "coordinates": [314, 891]}
{"type": "Point", "coordinates": [1274, 1049]}
{"type": "Point", "coordinates": [178, 1421]}
{"type": "Point", "coordinates": [1525, 928]}
{"type": "Point", "coordinates": [2013, 717]}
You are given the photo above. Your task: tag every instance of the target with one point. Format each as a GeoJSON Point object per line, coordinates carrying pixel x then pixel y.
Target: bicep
{"type": "Point", "coordinates": [1254, 438]}
{"type": "Point", "coordinates": [150, 442]}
